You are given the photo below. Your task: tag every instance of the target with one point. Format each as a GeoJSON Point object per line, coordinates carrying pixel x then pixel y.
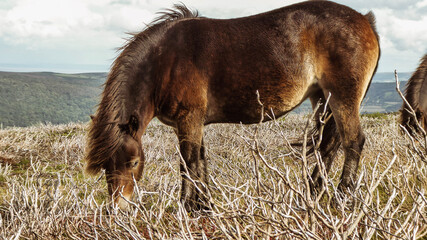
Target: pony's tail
{"type": "Point", "coordinates": [372, 21]}
{"type": "Point", "coordinates": [327, 134]}
{"type": "Point", "coordinates": [370, 16]}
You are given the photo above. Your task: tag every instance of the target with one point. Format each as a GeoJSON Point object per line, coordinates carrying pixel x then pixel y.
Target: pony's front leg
{"type": "Point", "coordinates": [193, 169]}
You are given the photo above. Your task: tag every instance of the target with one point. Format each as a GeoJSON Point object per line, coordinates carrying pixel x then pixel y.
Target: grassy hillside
{"type": "Point", "coordinates": [29, 98]}
{"type": "Point", "coordinates": [257, 187]}
{"type": "Point", "coordinates": [382, 97]}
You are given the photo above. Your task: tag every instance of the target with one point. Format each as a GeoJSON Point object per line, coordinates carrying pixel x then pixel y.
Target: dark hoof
{"type": "Point", "coordinates": [346, 188]}
{"type": "Point", "coordinates": [343, 197]}
{"type": "Point", "coordinates": [316, 187]}
{"type": "Point", "coordinates": [193, 206]}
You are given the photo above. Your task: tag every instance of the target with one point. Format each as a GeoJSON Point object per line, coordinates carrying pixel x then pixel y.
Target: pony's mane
{"type": "Point", "coordinates": [177, 12]}
{"type": "Point", "coordinates": [105, 134]}
{"type": "Point", "coordinates": [412, 92]}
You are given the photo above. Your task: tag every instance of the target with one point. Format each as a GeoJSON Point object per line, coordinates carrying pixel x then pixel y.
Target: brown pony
{"type": "Point", "coordinates": [416, 95]}
{"type": "Point", "coordinates": [190, 71]}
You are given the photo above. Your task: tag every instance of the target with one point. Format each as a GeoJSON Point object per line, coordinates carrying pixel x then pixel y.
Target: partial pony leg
{"type": "Point", "coordinates": [328, 148]}
{"type": "Point", "coordinates": [193, 169]}
{"type": "Point", "coordinates": [353, 146]}
{"type": "Point", "coordinates": [346, 113]}
{"type": "Point", "coordinates": [203, 175]}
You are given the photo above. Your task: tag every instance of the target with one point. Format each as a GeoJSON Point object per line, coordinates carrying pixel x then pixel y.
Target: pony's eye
{"type": "Point", "coordinates": [135, 163]}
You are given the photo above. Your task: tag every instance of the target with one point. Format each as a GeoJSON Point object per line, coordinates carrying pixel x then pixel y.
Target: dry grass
{"type": "Point", "coordinates": [258, 187]}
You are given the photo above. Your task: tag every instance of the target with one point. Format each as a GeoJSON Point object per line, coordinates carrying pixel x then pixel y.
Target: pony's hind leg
{"type": "Point", "coordinates": [345, 109]}
{"type": "Point", "coordinates": [193, 169]}
{"type": "Point", "coordinates": [203, 174]}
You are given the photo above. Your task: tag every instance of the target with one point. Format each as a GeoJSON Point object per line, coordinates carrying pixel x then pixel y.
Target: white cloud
{"type": "Point", "coordinates": [400, 32]}
{"type": "Point", "coordinates": [47, 18]}
{"type": "Point", "coordinates": [128, 18]}
{"type": "Point", "coordinates": [236, 8]}
{"type": "Point", "coordinates": [403, 36]}
{"type": "Point", "coordinates": [98, 26]}
{"type": "Point", "coordinates": [44, 23]}
{"type": "Point", "coordinates": [39, 23]}
{"type": "Point", "coordinates": [421, 4]}
{"type": "Point", "coordinates": [370, 4]}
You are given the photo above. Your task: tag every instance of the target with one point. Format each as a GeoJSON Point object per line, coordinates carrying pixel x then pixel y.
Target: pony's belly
{"type": "Point", "coordinates": [250, 112]}
{"type": "Point", "coordinates": [167, 121]}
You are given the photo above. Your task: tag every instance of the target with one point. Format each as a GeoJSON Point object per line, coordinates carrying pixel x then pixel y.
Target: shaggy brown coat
{"type": "Point", "coordinates": [416, 95]}
{"type": "Point", "coordinates": [189, 72]}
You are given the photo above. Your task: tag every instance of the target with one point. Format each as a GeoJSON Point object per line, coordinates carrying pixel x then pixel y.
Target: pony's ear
{"type": "Point", "coordinates": [93, 118]}
{"type": "Point", "coordinates": [133, 124]}
{"type": "Point", "coordinates": [131, 127]}
{"type": "Point", "coordinates": [124, 128]}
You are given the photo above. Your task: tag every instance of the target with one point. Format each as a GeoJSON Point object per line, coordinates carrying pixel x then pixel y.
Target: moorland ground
{"type": "Point", "coordinates": [257, 187]}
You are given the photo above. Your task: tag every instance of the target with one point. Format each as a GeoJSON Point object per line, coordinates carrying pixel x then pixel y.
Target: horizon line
{"type": "Point", "coordinates": [79, 68]}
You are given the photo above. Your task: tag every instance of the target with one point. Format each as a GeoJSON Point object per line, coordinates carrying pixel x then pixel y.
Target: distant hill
{"type": "Point", "coordinates": [30, 98]}
{"type": "Point", "coordinates": [389, 77]}
{"type": "Point", "coordinates": [382, 97]}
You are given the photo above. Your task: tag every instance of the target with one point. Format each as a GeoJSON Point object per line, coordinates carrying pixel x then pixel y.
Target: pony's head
{"type": "Point", "coordinates": [126, 108]}
{"type": "Point", "coordinates": [123, 170]}
{"type": "Point", "coordinates": [117, 149]}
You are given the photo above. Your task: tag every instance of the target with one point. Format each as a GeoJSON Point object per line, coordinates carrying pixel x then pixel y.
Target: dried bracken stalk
{"type": "Point", "coordinates": [258, 187]}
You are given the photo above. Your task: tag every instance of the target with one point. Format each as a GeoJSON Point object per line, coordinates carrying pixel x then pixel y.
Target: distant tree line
{"type": "Point", "coordinates": [30, 98]}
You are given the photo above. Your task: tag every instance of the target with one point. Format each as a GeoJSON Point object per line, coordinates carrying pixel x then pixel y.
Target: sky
{"type": "Point", "coordinates": [73, 36]}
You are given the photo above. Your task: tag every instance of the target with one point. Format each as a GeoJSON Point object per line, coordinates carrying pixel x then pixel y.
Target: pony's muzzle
{"type": "Point", "coordinates": [122, 201]}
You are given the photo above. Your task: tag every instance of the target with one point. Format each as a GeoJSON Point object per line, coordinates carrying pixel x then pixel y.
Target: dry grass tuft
{"type": "Point", "coordinates": [258, 187]}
